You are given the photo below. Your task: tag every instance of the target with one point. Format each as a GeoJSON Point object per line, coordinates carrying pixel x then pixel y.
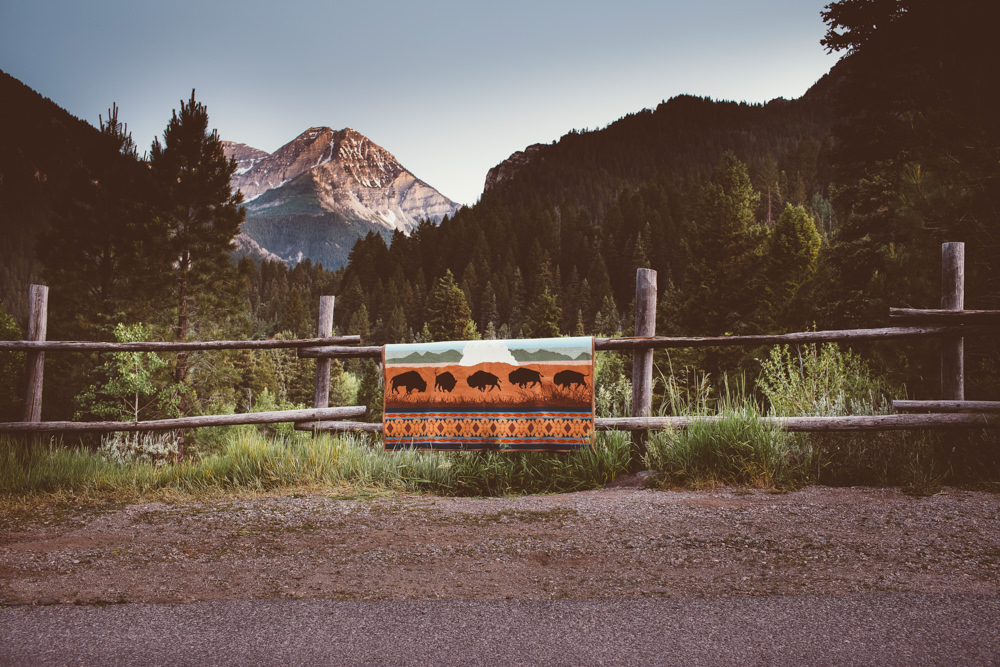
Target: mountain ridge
{"type": "Point", "coordinates": [320, 192]}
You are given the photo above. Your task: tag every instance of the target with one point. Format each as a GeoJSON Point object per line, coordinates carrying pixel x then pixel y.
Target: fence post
{"type": "Point", "coordinates": [38, 307]}
{"type": "Point", "coordinates": [642, 360]}
{"type": "Point", "coordinates": [953, 298]}
{"type": "Point", "coordinates": [321, 397]}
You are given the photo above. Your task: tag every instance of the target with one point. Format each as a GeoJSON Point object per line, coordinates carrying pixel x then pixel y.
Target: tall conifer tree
{"type": "Point", "coordinates": [198, 213]}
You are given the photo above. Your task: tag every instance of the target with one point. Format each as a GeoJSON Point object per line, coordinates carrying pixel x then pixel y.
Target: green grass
{"type": "Point", "coordinates": [735, 450]}
{"type": "Point", "coordinates": [249, 462]}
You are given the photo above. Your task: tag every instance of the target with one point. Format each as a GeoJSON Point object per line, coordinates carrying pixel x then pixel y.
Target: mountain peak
{"type": "Point", "coordinates": [340, 176]}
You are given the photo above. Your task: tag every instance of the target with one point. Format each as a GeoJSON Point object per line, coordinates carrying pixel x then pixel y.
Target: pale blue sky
{"type": "Point", "coordinates": [450, 87]}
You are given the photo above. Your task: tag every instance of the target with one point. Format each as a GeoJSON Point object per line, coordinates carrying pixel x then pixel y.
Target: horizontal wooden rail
{"type": "Point", "coordinates": [937, 316]}
{"type": "Point", "coordinates": [339, 427]}
{"type": "Point", "coordinates": [811, 424]}
{"type": "Point", "coordinates": [309, 414]}
{"type": "Point", "coordinates": [157, 346]}
{"type": "Point", "coordinates": [659, 342]}
{"type": "Point", "coordinates": [946, 406]}
{"type": "Point", "coordinates": [906, 422]}
{"type": "Point", "coordinates": [333, 351]}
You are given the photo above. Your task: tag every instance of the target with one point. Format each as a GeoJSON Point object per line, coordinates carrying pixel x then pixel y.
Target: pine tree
{"type": "Point", "coordinates": [544, 316]}
{"type": "Point", "coordinates": [723, 263]}
{"type": "Point", "coordinates": [793, 250]}
{"type": "Point", "coordinates": [449, 317]}
{"type": "Point", "coordinates": [197, 218]}
{"type": "Point", "coordinates": [95, 257]}
{"type": "Point", "coordinates": [198, 213]}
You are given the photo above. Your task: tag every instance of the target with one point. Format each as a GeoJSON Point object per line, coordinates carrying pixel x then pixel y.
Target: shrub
{"type": "Point", "coordinates": [730, 447]}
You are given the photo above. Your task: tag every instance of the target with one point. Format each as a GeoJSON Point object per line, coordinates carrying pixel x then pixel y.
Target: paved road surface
{"type": "Point", "coordinates": [869, 629]}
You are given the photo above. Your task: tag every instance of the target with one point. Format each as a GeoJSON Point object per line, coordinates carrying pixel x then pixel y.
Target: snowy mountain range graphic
{"type": "Point", "coordinates": [471, 353]}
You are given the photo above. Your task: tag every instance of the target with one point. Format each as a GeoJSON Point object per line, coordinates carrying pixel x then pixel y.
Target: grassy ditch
{"type": "Point", "coordinates": [736, 450]}
{"type": "Point", "coordinates": [249, 461]}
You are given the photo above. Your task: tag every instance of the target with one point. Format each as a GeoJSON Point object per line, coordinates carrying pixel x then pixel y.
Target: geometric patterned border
{"type": "Point", "coordinates": [511, 430]}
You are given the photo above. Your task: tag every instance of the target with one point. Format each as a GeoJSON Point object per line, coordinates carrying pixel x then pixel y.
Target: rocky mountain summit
{"type": "Point", "coordinates": [509, 167]}
{"type": "Point", "coordinates": [314, 196]}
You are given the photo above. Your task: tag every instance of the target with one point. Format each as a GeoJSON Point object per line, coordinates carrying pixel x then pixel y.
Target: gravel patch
{"type": "Point", "coordinates": [621, 543]}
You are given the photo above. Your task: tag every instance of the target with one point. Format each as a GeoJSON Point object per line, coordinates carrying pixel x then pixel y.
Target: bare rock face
{"type": "Point", "coordinates": [317, 194]}
{"type": "Point", "coordinates": [509, 167]}
{"type": "Point", "coordinates": [246, 156]}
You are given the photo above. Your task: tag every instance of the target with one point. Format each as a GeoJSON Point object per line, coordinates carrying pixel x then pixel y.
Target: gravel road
{"type": "Point", "coordinates": [860, 629]}
{"type": "Point", "coordinates": [835, 575]}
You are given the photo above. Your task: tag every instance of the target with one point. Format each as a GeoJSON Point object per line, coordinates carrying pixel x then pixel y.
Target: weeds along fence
{"type": "Point", "coordinates": [951, 324]}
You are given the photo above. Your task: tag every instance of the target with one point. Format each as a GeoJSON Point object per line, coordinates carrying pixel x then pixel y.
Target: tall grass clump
{"type": "Point", "coordinates": [501, 473]}
{"type": "Point", "coordinates": [824, 380]}
{"type": "Point", "coordinates": [725, 443]}
{"type": "Point", "coordinates": [251, 462]}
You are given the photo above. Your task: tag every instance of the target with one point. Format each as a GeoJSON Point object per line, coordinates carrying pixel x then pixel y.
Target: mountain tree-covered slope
{"type": "Point", "coordinates": [561, 228]}
{"type": "Point", "coordinates": [41, 147]}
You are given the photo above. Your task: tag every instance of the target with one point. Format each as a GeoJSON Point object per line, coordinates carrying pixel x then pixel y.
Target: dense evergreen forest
{"type": "Point", "coordinates": [818, 212]}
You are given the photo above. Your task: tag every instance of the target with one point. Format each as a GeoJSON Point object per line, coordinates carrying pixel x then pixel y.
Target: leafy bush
{"type": "Point", "coordinates": [11, 370]}
{"type": "Point", "coordinates": [132, 386]}
{"type": "Point", "coordinates": [821, 381]}
{"type": "Point", "coordinates": [612, 389]}
{"type": "Point", "coordinates": [827, 381]}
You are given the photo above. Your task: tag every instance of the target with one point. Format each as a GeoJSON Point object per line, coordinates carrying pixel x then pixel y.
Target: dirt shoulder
{"type": "Point", "coordinates": [623, 542]}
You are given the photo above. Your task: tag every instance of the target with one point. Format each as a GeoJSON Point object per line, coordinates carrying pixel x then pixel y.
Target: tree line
{"type": "Point", "coordinates": [817, 212]}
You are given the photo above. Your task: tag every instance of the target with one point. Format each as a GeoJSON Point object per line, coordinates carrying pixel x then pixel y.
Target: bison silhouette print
{"type": "Point", "coordinates": [444, 382]}
{"type": "Point", "coordinates": [410, 381]}
{"type": "Point", "coordinates": [524, 377]}
{"type": "Point", "coordinates": [566, 378]}
{"type": "Point", "coordinates": [481, 380]}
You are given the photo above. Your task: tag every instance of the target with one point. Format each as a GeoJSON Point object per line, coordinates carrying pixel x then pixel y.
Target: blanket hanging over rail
{"type": "Point", "coordinates": [521, 395]}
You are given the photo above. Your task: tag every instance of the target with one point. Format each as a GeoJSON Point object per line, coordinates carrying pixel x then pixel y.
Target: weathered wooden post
{"type": "Point", "coordinates": [953, 298]}
{"type": "Point", "coordinates": [35, 359]}
{"type": "Point", "coordinates": [321, 397]}
{"type": "Point", "coordinates": [642, 360]}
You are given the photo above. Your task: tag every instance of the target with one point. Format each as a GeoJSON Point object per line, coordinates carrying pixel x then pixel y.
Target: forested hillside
{"type": "Point", "coordinates": [555, 247]}
{"type": "Point", "coordinates": [822, 211]}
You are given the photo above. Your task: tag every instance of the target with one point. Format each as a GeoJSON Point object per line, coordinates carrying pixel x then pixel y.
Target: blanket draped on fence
{"type": "Point", "coordinates": [524, 395]}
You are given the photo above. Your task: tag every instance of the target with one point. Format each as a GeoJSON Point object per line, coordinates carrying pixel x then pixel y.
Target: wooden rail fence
{"type": "Point", "coordinates": [951, 323]}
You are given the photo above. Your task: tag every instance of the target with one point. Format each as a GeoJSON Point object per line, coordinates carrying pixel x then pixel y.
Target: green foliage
{"type": "Point", "coordinates": [449, 317]}
{"type": "Point", "coordinates": [132, 387]}
{"type": "Point", "coordinates": [544, 316]}
{"type": "Point", "coordinates": [197, 217]}
{"type": "Point", "coordinates": [827, 381]}
{"type": "Point", "coordinates": [497, 474]}
{"type": "Point", "coordinates": [821, 381]}
{"type": "Point", "coordinates": [248, 461]}
{"type": "Point", "coordinates": [915, 157]}
{"type": "Point", "coordinates": [99, 251]}
{"type": "Point", "coordinates": [729, 445]}
{"type": "Point", "coordinates": [612, 388]}
{"type": "Point", "coordinates": [735, 449]}
{"type": "Point", "coordinates": [793, 254]}
{"type": "Point", "coordinates": [11, 371]}
{"type": "Point", "coordinates": [156, 448]}
{"type": "Point", "coordinates": [370, 392]}
{"type": "Point", "coordinates": [722, 283]}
